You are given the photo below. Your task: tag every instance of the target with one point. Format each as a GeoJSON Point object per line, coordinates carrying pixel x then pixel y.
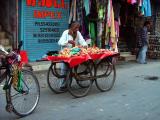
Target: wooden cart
{"type": "Point", "coordinates": [81, 72]}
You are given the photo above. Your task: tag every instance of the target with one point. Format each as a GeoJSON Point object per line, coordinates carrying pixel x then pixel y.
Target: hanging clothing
{"type": "Point", "coordinates": [74, 11]}
{"type": "Point", "coordinates": [146, 8]}
{"type": "Point", "coordinates": [99, 33]}
{"type": "Point", "coordinates": [87, 6]}
{"type": "Point", "coordinates": [80, 11]}
{"type": "Point", "coordinates": [131, 1]}
{"type": "Point", "coordinates": [113, 34]}
{"type": "Point", "coordinates": [72, 15]}
{"type": "Point", "coordinates": [116, 24]}
{"type": "Point", "coordinates": [93, 10]}
{"type": "Point", "coordinates": [107, 37]}
{"type": "Point", "coordinates": [101, 11]}
{"type": "Point", "coordinates": [109, 7]}
{"type": "Point", "coordinates": [140, 2]}
{"type": "Point", "coordinates": [101, 7]}
{"type": "Point", "coordinates": [92, 31]}
{"type": "Point", "coordinates": [116, 8]}
{"type": "Point", "coordinates": [85, 26]}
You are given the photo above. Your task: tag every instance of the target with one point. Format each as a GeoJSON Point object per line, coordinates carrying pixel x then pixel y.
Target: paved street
{"type": "Point", "coordinates": [133, 97]}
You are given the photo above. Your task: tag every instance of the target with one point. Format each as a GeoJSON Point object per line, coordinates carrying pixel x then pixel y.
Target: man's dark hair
{"type": "Point", "coordinates": [73, 23]}
{"type": "Point", "coordinates": [146, 23]}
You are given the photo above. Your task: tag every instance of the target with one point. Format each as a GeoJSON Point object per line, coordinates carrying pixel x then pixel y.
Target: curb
{"type": "Point", "coordinates": [40, 66]}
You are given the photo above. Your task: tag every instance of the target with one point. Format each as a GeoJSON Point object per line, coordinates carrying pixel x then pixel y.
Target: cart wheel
{"type": "Point", "coordinates": [108, 72]}
{"type": "Point", "coordinates": [53, 81]}
{"type": "Point", "coordinates": [83, 70]}
{"type": "Point", "coordinates": [78, 90]}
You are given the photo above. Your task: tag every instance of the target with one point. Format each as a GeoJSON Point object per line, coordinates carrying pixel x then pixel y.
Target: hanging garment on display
{"type": "Point", "coordinates": [87, 6]}
{"type": "Point", "coordinates": [146, 8]}
{"type": "Point", "coordinates": [129, 1]}
{"type": "Point", "coordinates": [101, 6]}
{"type": "Point", "coordinates": [101, 12]}
{"type": "Point", "coordinates": [109, 7]}
{"type": "Point", "coordinates": [80, 11]}
{"type": "Point", "coordinates": [116, 23]}
{"type": "Point", "coordinates": [113, 34]}
{"type": "Point", "coordinates": [99, 28]}
{"type": "Point", "coordinates": [132, 1]}
{"type": "Point", "coordinates": [85, 26]}
{"type": "Point", "coordinates": [74, 10]}
{"type": "Point", "coordinates": [92, 32]}
{"type": "Point", "coordinates": [72, 15]}
{"type": "Point", "coordinates": [116, 8]}
{"type": "Point", "coordinates": [99, 34]}
{"type": "Point", "coordinates": [140, 2]}
{"type": "Point", "coordinates": [107, 37]}
{"type": "Point", "coordinates": [93, 15]}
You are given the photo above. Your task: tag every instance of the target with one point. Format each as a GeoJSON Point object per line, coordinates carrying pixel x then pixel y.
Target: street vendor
{"type": "Point", "coordinates": [70, 38]}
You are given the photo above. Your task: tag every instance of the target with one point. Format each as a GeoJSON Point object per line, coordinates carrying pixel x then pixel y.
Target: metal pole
{"type": "Point", "coordinates": [17, 10]}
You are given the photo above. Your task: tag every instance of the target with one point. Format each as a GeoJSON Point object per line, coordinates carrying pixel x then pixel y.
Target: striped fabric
{"type": "Point", "coordinates": [142, 37]}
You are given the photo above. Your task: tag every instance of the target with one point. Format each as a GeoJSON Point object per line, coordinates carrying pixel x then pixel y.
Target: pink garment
{"type": "Point", "coordinates": [116, 24]}
{"type": "Point", "coordinates": [132, 1]}
{"type": "Point", "coordinates": [139, 2]}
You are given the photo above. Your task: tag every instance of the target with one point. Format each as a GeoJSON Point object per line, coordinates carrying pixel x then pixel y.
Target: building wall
{"type": "Point", "coordinates": [41, 26]}
{"type": "Point", "coordinates": [157, 26]}
{"type": "Point", "coordinates": [8, 19]}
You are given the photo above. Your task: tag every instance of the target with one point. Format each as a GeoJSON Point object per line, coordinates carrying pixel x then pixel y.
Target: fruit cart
{"type": "Point", "coordinates": [81, 70]}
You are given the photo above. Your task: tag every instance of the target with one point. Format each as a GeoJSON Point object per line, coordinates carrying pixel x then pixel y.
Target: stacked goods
{"type": "Point", "coordinates": [154, 47]}
{"type": "Point", "coordinates": [79, 51]}
{"type": "Point", "coordinates": [67, 52]}
{"type": "Point", "coordinates": [96, 50]}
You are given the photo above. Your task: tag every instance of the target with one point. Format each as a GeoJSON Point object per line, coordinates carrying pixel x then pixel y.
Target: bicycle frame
{"type": "Point", "coordinates": [2, 75]}
{"type": "Point", "coordinates": [8, 74]}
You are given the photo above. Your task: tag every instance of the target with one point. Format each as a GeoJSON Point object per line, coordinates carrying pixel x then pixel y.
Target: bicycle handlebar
{"type": "Point", "coordinates": [14, 55]}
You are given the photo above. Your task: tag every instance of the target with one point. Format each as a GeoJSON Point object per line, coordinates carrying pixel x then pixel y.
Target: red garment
{"type": "Point", "coordinates": [131, 1]}
{"type": "Point", "coordinates": [24, 56]}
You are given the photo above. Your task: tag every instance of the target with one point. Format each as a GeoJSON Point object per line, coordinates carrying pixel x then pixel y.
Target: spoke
{"type": "Point", "coordinates": [15, 94]}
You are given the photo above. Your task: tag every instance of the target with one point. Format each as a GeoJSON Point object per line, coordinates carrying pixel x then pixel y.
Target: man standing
{"type": "Point", "coordinates": [143, 39]}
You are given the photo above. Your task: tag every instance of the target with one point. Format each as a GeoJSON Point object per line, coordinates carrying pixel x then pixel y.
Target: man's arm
{"type": "Point", "coordinates": [63, 39]}
{"type": "Point", "coordinates": [3, 51]}
{"type": "Point", "coordinates": [81, 39]}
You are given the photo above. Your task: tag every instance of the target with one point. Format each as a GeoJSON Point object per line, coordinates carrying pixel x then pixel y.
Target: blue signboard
{"type": "Point", "coordinates": [42, 23]}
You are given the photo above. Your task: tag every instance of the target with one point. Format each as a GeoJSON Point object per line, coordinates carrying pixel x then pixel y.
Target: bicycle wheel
{"type": "Point", "coordinates": [107, 72]}
{"type": "Point", "coordinates": [25, 102]}
{"type": "Point", "coordinates": [82, 88]}
{"type": "Point", "coordinates": [53, 81]}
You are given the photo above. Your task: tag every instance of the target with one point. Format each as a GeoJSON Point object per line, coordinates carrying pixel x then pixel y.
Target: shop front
{"type": "Point", "coordinates": [41, 23]}
{"type": "Point", "coordinates": [8, 22]}
{"type": "Point", "coordinates": [109, 24]}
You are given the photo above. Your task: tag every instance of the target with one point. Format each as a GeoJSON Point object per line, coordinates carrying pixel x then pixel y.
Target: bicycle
{"type": "Point", "coordinates": [21, 86]}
